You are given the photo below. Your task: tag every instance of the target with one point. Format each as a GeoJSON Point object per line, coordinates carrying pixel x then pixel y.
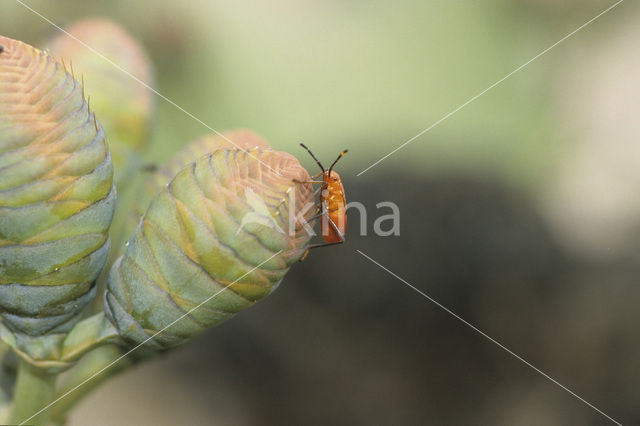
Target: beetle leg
{"type": "Point", "coordinates": [284, 200]}
{"type": "Point", "coordinates": [319, 213]}
{"type": "Point", "coordinates": [335, 228]}
{"type": "Point", "coordinates": [306, 181]}
{"type": "Point", "coordinates": [304, 256]}
{"type": "Point", "coordinates": [324, 245]}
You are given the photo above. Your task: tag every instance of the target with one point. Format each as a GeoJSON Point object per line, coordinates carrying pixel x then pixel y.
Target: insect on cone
{"type": "Point", "coordinates": [213, 242]}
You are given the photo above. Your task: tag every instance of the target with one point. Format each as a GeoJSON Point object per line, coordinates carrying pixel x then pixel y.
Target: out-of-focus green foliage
{"type": "Point", "coordinates": [194, 248]}
{"type": "Point", "coordinates": [56, 193]}
{"type": "Point", "coordinates": [123, 104]}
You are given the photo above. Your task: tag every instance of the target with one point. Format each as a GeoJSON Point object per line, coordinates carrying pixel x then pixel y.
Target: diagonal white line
{"type": "Point", "coordinates": [140, 81]}
{"type": "Point", "coordinates": [500, 345]}
{"type": "Point", "coordinates": [492, 86]}
{"type": "Point", "coordinates": [189, 312]}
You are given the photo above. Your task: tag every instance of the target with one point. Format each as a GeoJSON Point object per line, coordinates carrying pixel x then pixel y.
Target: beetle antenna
{"type": "Point", "coordinates": [339, 157]}
{"type": "Point", "coordinates": [314, 157]}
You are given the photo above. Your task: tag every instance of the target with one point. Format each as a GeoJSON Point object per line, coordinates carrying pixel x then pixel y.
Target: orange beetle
{"type": "Point", "coordinates": [333, 204]}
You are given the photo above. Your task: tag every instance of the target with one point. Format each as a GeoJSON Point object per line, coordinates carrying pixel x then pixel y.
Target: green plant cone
{"type": "Point", "coordinates": [195, 260]}
{"type": "Point", "coordinates": [123, 104]}
{"type": "Point", "coordinates": [211, 142]}
{"type": "Point", "coordinates": [206, 144]}
{"type": "Point", "coordinates": [56, 193]}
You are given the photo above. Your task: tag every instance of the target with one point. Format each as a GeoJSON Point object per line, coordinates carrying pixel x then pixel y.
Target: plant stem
{"type": "Point", "coordinates": [82, 375]}
{"type": "Point", "coordinates": [87, 335]}
{"type": "Point", "coordinates": [34, 389]}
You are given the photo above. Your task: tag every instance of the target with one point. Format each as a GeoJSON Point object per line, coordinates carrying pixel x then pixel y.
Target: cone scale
{"type": "Point", "coordinates": [195, 260]}
{"type": "Point", "coordinates": [56, 193]}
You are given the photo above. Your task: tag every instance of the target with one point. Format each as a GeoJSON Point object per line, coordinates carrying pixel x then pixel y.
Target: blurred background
{"type": "Point", "coordinates": [520, 213]}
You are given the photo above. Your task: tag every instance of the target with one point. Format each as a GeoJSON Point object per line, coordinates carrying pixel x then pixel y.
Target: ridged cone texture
{"type": "Point", "coordinates": [56, 193]}
{"type": "Point", "coordinates": [206, 144]}
{"type": "Point", "coordinates": [203, 241]}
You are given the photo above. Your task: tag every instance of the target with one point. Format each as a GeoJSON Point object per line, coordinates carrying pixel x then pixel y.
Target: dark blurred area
{"type": "Point", "coordinates": [519, 213]}
{"type": "Point", "coordinates": [351, 344]}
